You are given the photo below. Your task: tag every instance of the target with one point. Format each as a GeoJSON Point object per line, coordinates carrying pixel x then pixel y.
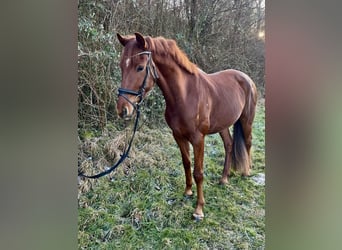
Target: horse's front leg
{"type": "Point", "coordinates": [198, 145]}
{"type": "Point", "coordinates": [183, 145]}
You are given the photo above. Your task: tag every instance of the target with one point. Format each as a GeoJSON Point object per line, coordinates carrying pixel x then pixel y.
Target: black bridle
{"type": "Point", "coordinates": [123, 92]}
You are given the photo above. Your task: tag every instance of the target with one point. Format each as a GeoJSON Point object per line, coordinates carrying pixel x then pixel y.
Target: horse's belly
{"type": "Point", "coordinates": [219, 122]}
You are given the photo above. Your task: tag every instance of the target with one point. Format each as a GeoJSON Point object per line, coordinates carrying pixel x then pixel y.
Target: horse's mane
{"type": "Point", "coordinates": [168, 47]}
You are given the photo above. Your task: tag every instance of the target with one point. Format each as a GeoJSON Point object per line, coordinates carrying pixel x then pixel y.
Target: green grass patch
{"type": "Point", "coordinates": [141, 204]}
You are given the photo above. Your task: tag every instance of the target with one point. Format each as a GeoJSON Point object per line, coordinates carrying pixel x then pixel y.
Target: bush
{"type": "Point", "coordinates": [98, 72]}
{"type": "Point", "coordinates": [216, 35]}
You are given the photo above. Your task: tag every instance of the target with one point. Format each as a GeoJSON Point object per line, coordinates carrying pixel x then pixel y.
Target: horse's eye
{"type": "Point", "coordinates": [140, 68]}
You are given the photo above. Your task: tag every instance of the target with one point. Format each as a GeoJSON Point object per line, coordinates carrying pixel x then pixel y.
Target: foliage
{"type": "Point", "coordinates": [97, 70]}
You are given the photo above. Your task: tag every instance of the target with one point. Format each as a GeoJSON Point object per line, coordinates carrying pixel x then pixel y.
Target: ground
{"type": "Point", "coordinates": [141, 204]}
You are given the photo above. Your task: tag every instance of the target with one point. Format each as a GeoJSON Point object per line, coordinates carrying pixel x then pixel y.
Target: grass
{"type": "Point", "coordinates": [141, 204]}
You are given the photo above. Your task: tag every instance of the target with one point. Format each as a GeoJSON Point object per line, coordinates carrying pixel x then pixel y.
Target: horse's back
{"type": "Point", "coordinates": [229, 92]}
{"type": "Point", "coordinates": [233, 78]}
{"type": "Point", "coordinates": [229, 75]}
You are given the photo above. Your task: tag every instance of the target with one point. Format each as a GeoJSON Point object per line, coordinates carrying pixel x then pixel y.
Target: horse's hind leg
{"type": "Point", "coordinates": [247, 131]}
{"type": "Point", "coordinates": [227, 141]}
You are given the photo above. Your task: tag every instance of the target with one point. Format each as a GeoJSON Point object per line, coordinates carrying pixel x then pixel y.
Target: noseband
{"type": "Point", "coordinates": [123, 92]}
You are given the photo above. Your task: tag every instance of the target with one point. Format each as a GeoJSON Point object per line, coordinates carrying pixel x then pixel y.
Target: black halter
{"type": "Point", "coordinates": [123, 92]}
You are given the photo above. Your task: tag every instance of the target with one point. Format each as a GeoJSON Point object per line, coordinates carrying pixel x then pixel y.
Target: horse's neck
{"type": "Point", "coordinates": [173, 84]}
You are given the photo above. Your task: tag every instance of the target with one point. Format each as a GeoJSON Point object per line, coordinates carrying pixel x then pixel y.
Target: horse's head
{"type": "Point", "coordinates": [138, 74]}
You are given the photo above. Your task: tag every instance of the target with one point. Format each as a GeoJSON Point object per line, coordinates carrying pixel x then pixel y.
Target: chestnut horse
{"type": "Point", "coordinates": [197, 104]}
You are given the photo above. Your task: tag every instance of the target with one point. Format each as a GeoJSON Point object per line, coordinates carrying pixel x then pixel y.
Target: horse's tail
{"type": "Point", "coordinates": [240, 157]}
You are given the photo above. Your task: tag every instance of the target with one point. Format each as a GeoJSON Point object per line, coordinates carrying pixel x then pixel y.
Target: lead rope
{"type": "Point", "coordinates": [123, 156]}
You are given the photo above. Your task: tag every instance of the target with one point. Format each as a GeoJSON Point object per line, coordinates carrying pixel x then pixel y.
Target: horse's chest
{"type": "Point", "coordinates": [186, 124]}
{"type": "Point", "coordinates": [178, 125]}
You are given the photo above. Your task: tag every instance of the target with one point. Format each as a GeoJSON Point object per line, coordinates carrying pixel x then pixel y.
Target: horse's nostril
{"type": "Point", "coordinates": [124, 112]}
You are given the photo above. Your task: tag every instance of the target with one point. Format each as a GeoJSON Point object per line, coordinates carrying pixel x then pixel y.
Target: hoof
{"type": "Point", "coordinates": [198, 217]}
{"type": "Point", "coordinates": [224, 181]}
{"type": "Point", "coordinates": [246, 174]}
{"type": "Point", "coordinates": [188, 193]}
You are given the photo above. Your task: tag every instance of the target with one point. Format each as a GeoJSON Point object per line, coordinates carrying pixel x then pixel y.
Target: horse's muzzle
{"type": "Point", "coordinates": [125, 112]}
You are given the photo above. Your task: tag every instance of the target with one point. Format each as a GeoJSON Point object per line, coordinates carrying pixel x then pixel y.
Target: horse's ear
{"type": "Point", "coordinates": [141, 40]}
{"type": "Point", "coordinates": [121, 39]}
